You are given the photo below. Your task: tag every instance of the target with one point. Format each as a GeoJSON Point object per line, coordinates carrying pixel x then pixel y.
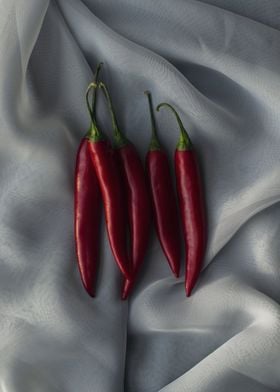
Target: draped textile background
{"type": "Point", "coordinates": [218, 61]}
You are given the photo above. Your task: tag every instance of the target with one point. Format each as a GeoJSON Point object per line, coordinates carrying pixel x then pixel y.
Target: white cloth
{"type": "Point", "coordinates": [218, 62]}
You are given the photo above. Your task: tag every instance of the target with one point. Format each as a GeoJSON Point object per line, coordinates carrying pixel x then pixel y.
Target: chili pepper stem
{"type": "Point", "coordinates": [184, 142]}
{"type": "Point", "coordinates": [119, 138]}
{"type": "Point", "coordinates": [154, 143]}
{"type": "Point", "coordinates": [94, 133]}
{"type": "Point", "coordinates": [94, 96]}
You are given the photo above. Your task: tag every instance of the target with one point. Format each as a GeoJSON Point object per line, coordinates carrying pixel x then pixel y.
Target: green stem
{"type": "Point", "coordinates": [184, 142]}
{"type": "Point", "coordinates": [90, 110]}
{"type": "Point", "coordinates": [94, 133]}
{"type": "Point", "coordinates": [154, 143]}
{"type": "Point", "coordinates": [119, 138]}
{"type": "Point", "coordinates": [94, 95]}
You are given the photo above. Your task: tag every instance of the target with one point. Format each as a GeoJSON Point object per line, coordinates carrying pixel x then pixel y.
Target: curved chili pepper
{"type": "Point", "coordinates": [137, 196]}
{"type": "Point", "coordinates": [87, 213]}
{"type": "Point", "coordinates": [110, 183]}
{"type": "Point", "coordinates": [163, 198]}
{"type": "Point", "coordinates": [191, 203]}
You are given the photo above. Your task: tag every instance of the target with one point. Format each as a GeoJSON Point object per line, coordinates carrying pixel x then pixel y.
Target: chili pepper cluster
{"type": "Point", "coordinates": [133, 196]}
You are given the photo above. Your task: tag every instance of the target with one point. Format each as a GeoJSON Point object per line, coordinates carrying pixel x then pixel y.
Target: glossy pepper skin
{"type": "Point", "coordinates": [87, 215]}
{"type": "Point", "coordinates": [137, 197]}
{"type": "Point", "coordinates": [163, 199]}
{"type": "Point", "coordinates": [87, 218]}
{"type": "Point", "coordinates": [192, 205]}
{"type": "Point", "coordinates": [110, 184]}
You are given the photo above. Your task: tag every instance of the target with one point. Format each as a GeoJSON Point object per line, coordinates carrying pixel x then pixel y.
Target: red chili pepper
{"type": "Point", "coordinates": [110, 183]}
{"type": "Point", "coordinates": [163, 197]}
{"type": "Point", "coordinates": [87, 213]}
{"type": "Point", "coordinates": [191, 203]}
{"type": "Point", "coordinates": [137, 196]}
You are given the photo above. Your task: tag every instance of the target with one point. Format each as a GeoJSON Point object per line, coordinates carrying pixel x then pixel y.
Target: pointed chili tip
{"type": "Point", "coordinates": [176, 271]}
{"type": "Point", "coordinates": [127, 286]}
{"type": "Point", "coordinates": [91, 294]}
{"type": "Point", "coordinates": [90, 290]}
{"type": "Point", "coordinates": [124, 296]}
{"type": "Point", "coordinates": [189, 288]}
{"type": "Point", "coordinates": [147, 92]}
{"type": "Point", "coordinates": [188, 293]}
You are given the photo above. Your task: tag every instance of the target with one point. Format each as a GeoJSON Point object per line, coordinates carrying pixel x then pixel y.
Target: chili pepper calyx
{"type": "Point", "coordinates": [184, 142]}
{"type": "Point", "coordinates": [154, 143]}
